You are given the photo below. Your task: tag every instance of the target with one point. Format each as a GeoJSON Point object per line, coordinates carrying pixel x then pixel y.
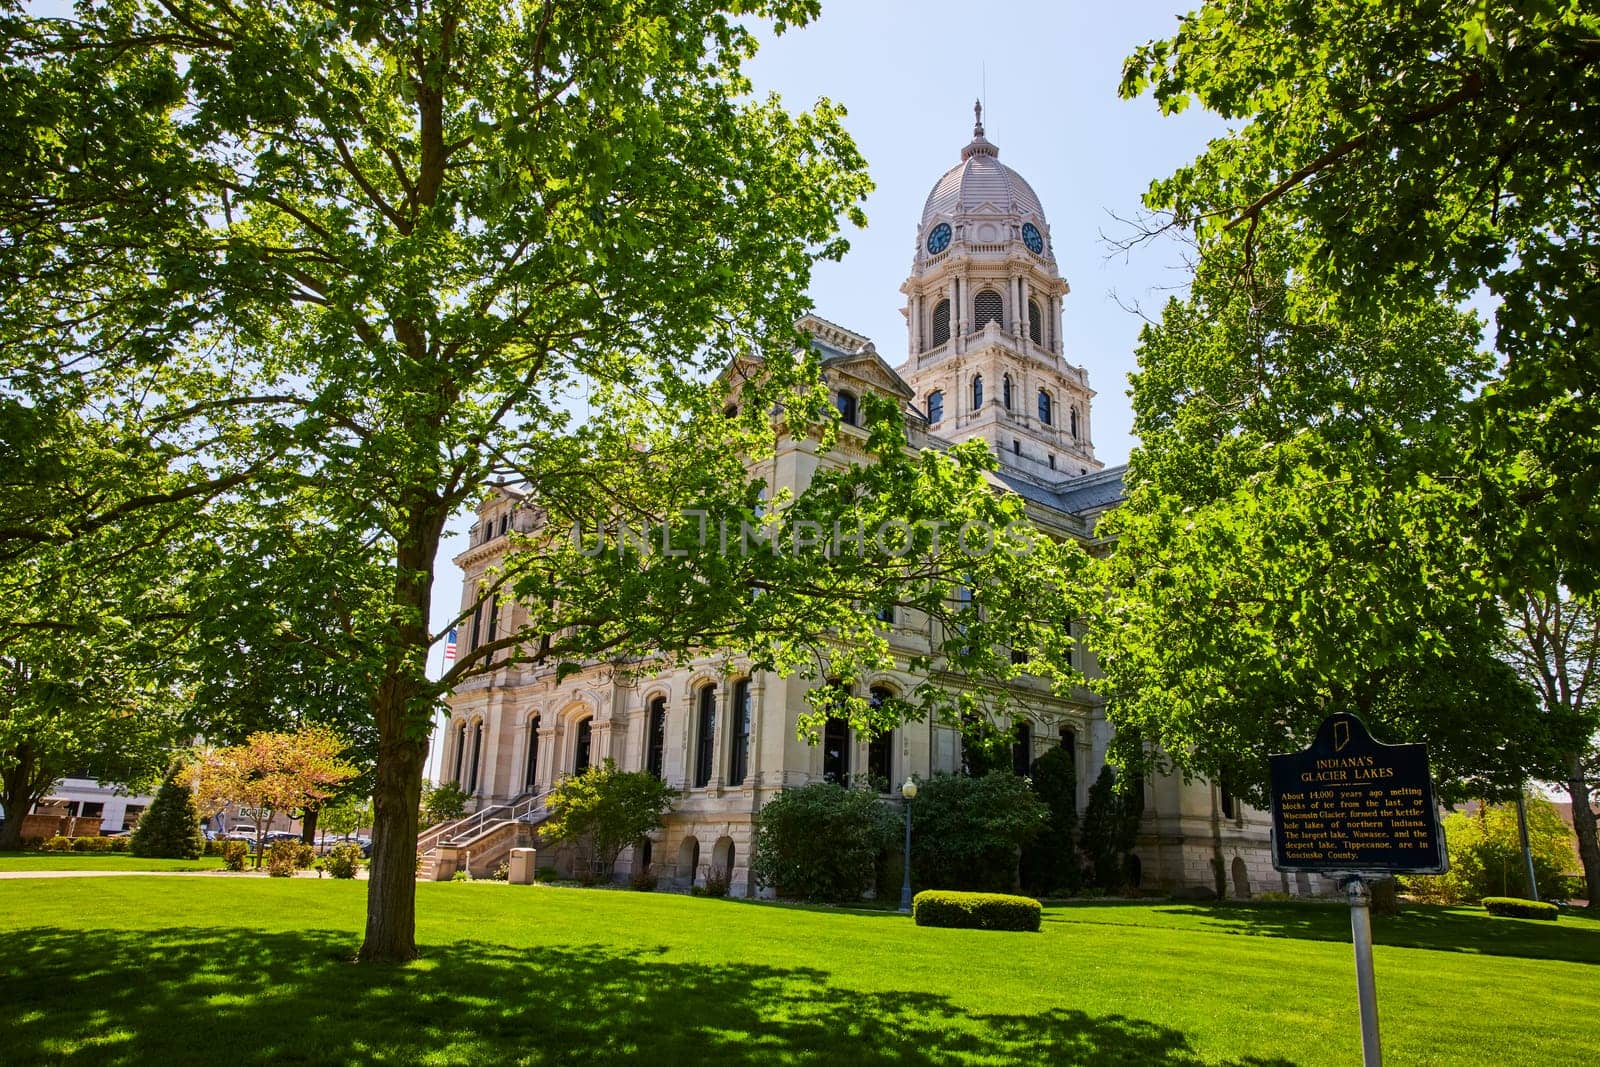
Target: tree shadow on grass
{"type": "Point", "coordinates": [187, 996]}
{"type": "Point", "coordinates": [1417, 926]}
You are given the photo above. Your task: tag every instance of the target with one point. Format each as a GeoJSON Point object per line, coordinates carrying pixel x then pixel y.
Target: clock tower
{"type": "Point", "coordinates": [983, 311]}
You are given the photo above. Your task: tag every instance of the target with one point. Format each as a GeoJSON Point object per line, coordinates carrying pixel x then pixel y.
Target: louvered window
{"type": "Point", "coordinates": [987, 308]}
{"type": "Point", "coordinates": [941, 323]}
{"type": "Point", "coordinates": [1035, 323]}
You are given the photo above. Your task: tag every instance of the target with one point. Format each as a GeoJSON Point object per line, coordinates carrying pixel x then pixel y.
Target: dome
{"type": "Point", "coordinates": [980, 178]}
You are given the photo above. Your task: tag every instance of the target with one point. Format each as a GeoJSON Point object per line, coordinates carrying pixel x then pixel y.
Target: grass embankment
{"type": "Point", "coordinates": [176, 970]}
{"type": "Point", "coordinates": [100, 861]}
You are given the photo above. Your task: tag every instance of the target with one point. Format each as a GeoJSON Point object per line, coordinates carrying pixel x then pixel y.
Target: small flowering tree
{"type": "Point", "coordinates": [273, 772]}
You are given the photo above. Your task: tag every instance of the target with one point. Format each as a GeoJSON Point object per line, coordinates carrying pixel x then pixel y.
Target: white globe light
{"type": "Point", "coordinates": [908, 789]}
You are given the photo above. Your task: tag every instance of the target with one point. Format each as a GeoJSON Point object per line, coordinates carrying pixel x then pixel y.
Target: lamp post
{"type": "Point", "coordinates": [908, 790]}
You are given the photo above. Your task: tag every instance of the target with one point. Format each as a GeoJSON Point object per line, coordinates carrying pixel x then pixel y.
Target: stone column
{"type": "Point", "coordinates": [547, 756]}
{"type": "Point", "coordinates": [758, 708]}
{"type": "Point", "coordinates": [488, 769]}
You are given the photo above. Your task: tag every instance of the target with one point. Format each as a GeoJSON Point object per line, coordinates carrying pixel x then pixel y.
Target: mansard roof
{"type": "Point", "coordinates": [1082, 495]}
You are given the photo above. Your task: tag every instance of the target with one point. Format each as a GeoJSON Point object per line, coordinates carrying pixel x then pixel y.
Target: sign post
{"type": "Point", "coordinates": [1352, 807]}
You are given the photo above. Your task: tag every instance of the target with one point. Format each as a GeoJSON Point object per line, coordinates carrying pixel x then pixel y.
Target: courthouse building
{"type": "Point", "coordinates": [985, 359]}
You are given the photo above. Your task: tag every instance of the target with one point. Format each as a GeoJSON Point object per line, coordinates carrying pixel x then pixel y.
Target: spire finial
{"type": "Point", "coordinates": [977, 118]}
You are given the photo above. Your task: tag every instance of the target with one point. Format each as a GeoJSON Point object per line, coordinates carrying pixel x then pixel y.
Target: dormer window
{"type": "Point", "coordinates": [987, 307]}
{"type": "Point", "coordinates": [846, 403]}
{"type": "Point", "coordinates": [941, 323]}
{"type": "Point", "coordinates": [936, 405]}
{"type": "Point", "coordinates": [1044, 407]}
{"type": "Point", "coordinates": [977, 392]}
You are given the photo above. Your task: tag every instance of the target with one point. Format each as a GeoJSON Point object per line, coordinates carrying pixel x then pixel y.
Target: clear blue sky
{"type": "Point", "coordinates": [908, 73]}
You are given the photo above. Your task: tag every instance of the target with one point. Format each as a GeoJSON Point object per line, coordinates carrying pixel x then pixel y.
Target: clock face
{"type": "Point", "coordinates": [939, 238]}
{"type": "Point", "coordinates": [1032, 238]}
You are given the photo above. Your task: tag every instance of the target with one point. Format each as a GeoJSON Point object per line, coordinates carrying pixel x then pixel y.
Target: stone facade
{"type": "Point", "coordinates": [983, 309]}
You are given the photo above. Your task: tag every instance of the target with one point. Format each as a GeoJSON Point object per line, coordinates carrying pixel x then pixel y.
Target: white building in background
{"type": "Point", "coordinates": [985, 360]}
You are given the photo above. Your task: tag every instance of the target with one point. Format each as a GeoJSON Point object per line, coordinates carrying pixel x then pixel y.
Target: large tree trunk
{"type": "Point", "coordinates": [1583, 821]}
{"type": "Point", "coordinates": [19, 789]}
{"type": "Point", "coordinates": [402, 708]}
{"type": "Point", "coordinates": [392, 882]}
{"type": "Point", "coordinates": [308, 825]}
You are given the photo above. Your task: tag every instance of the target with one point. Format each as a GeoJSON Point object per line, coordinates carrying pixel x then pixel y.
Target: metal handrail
{"type": "Point", "coordinates": [514, 811]}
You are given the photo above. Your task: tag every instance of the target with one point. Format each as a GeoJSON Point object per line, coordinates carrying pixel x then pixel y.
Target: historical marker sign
{"type": "Point", "coordinates": [1350, 804]}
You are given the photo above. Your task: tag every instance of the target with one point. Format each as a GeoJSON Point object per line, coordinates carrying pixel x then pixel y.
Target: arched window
{"type": "Point", "coordinates": [1069, 740]}
{"type": "Point", "coordinates": [1005, 391]}
{"type": "Point", "coordinates": [461, 753]}
{"type": "Point", "coordinates": [977, 391]}
{"type": "Point", "coordinates": [1035, 324]}
{"type": "Point", "coordinates": [880, 750]}
{"type": "Point", "coordinates": [846, 403]}
{"type": "Point", "coordinates": [1044, 407]}
{"type": "Point", "coordinates": [531, 777]}
{"type": "Point", "coordinates": [581, 750]}
{"type": "Point", "coordinates": [987, 307]}
{"type": "Point", "coordinates": [1021, 748]}
{"type": "Point", "coordinates": [739, 714]}
{"type": "Point", "coordinates": [477, 751]}
{"type": "Point", "coordinates": [936, 405]}
{"type": "Point", "coordinates": [1072, 421]}
{"type": "Point", "coordinates": [836, 751]}
{"type": "Point", "coordinates": [705, 734]}
{"type": "Point", "coordinates": [941, 323]}
{"type": "Point", "coordinates": [655, 745]}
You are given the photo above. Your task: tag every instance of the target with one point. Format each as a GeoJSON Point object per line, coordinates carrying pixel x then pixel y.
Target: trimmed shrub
{"type": "Point", "coordinates": [119, 844]}
{"type": "Point", "coordinates": [171, 828]}
{"type": "Point", "coordinates": [821, 841]}
{"type": "Point", "coordinates": [234, 854]}
{"type": "Point", "coordinates": [1521, 909]}
{"type": "Point", "coordinates": [283, 858]}
{"type": "Point", "coordinates": [56, 844]}
{"type": "Point", "coordinates": [975, 911]}
{"type": "Point", "coordinates": [342, 861]}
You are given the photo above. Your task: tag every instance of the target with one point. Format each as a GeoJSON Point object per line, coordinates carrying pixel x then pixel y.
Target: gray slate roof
{"type": "Point", "coordinates": [1075, 496]}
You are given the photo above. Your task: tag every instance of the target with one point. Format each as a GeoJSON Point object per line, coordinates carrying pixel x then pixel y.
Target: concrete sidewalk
{"type": "Point", "coordinates": [360, 875]}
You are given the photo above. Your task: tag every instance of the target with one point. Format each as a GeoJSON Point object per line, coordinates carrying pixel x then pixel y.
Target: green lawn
{"type": "Point", "coordinates": [168, 970]}
{"type": "Point", "coordinates": [100, 861]}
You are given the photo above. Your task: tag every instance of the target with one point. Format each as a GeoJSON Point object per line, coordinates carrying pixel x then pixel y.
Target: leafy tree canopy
{"type": "Point", "coordinates": [1402, 154]}
{"type": "Point", "coordinates": [1298, 538]}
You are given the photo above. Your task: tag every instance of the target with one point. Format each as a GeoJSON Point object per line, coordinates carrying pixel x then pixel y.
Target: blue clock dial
{"type": "Point", "coordinates": [1032, 238]}
{"type": "Point", "coordinates": [939, 238]}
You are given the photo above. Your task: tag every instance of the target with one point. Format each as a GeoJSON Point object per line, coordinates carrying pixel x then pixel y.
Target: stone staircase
{"type": "Point", "coordinates": [480, 842]}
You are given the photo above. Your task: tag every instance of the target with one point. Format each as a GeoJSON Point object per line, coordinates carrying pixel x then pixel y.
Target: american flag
{"type": "Point", "coordinates": [450, 645]}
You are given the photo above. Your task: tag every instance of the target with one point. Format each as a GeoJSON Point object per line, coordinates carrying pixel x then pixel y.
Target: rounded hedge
{"type": "Point", "coordinates": [975, 911]}
{"type": "Point", "coordinates": [1521, 909]}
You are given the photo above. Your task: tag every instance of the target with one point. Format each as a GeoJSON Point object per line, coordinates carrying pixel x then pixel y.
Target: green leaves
{"type": "Point", "coordinates": [1396, 157]}
{"type": "Point", "coordinates": [1298, 536]}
